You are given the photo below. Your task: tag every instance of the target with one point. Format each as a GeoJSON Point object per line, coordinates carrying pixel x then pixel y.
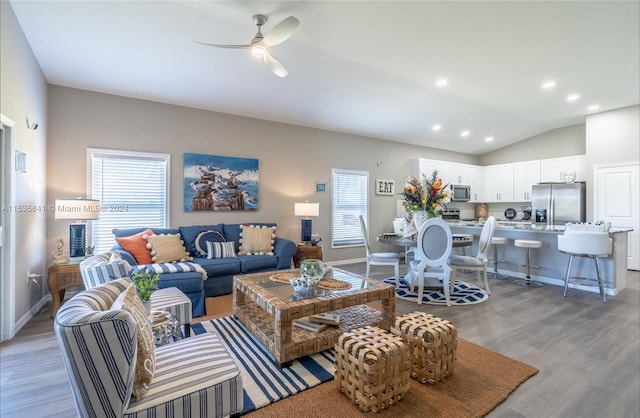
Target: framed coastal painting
{"type": "Point", "coordinates": [213, 182]}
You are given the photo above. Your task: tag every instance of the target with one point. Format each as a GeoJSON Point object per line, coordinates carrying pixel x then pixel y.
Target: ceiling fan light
{"type": "Point", "coordinates": [259, 50]}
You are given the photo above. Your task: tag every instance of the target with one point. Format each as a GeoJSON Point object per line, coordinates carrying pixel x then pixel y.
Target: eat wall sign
{"type": "Point", "coordinates": [385, 187]}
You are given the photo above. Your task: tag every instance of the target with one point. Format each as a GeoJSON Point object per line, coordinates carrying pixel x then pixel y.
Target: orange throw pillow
{"type": "Point", "coordinates": [137, 246]}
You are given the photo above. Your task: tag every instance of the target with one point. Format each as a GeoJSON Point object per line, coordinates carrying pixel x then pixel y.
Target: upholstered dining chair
{"type": "Point", "coordinates": [480, 261]}
{"type": "Point", "coordinates": [378, 259]}
{"type": "Point", "coordinates": [432, 252]}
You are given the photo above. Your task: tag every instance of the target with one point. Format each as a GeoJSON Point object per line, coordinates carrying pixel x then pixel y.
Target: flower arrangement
{"type": "Point", "coordinates": [427, 195]}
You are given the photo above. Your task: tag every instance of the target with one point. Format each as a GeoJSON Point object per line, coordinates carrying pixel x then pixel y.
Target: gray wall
{"type": "Point", "coordinates": [560, 142]}
{"type": "Point", "coordinates": [23, 95]}
{"type": "Point", "coordinates": [292, 158]}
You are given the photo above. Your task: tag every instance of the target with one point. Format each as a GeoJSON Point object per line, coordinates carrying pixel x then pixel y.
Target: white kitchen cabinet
{"type": "Point", "coordinates": [498, 183]}
{"type": "Point", "coordinates": [555, 169]}
{"type": "Point", "coordinates": [424, 167]}
{"type": "Point", "coordinates": [475, 179]}
{"type": "Point", "coordinates": [525, 175]}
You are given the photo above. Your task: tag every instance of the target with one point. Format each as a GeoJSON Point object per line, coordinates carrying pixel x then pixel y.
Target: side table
{"type": "Point", "coordinates": [59, 278]}
{"type": "Point", "coordinates": [304, 252]}
{"type": "Point", "coordinates": [165, 328]}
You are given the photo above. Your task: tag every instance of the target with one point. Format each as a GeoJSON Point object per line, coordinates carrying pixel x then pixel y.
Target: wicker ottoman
{"type": "Point", "coordinates": [432, 343]}
{"type": "Point", "coordinates": [372, 367]}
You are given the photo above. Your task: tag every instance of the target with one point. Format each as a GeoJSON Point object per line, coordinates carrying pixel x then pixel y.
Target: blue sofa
{"type": "Point", "coordinates": [220, 271]}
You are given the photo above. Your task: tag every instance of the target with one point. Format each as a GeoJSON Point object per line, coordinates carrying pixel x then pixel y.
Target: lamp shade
{"type": "Point", "coordinates": [77, 209]}
{"type": "Point", "coordinates": [307, 209]}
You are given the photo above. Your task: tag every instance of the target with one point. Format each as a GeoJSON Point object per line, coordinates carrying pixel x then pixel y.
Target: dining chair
{"type": "Point", "coordinates": [432, 253]}
{"type": "Point", "coordinates": [378, 259]}
{"type": "Point", "coordinates": [480, 261]}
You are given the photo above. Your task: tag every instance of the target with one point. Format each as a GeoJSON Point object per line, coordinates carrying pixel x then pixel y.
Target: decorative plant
{"type": "Point", "coordinates": [426, 195]}
{"type": "Point", "coordinates": [145, 283]}
{"type": "Point", "coordinates": [89, 249]}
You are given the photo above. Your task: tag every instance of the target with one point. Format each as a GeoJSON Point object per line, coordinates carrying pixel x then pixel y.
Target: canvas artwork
{"type": "Point", "coordinates": [214, 182]}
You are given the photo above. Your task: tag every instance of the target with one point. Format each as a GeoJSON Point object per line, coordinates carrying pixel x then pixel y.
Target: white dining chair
{"type": "Point", "coordinates": [378, 259]}
{"type": "Point", "coordinates": [480, 261]}
{"type": "Point", "coordinates": [433, 251]}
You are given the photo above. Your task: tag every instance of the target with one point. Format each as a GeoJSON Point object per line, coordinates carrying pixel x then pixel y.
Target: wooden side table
{"type": "Point", "coordinates": [59, 278]}
{"type": "Point", "coordinates": [304, 252]}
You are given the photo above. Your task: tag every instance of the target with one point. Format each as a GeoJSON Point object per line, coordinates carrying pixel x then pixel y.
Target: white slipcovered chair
{"type": "Point", "coordinates": [480, 261]}
{"type": "Point", "coordinates": [589, 244]}
{"type": "Point", "coordinates": [105, 267]}
{"type": "Point", "coordinates": [433, 250]}
{"type": "Point", "coordinates": [378, 259]}
{"type": "Point", "coordinates": [193, 377]}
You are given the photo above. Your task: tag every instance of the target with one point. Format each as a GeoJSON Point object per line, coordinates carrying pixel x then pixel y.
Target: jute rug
{"type": "Point", "coordinates": [482, 380]}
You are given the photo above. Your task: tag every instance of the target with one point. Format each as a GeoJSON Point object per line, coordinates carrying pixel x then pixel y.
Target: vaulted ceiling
{"type": "Point", "coordinates": [360, 67]}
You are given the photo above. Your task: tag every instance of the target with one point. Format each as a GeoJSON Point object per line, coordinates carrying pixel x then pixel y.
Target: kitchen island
{"type": "Point", "coordinates": [548, 263]}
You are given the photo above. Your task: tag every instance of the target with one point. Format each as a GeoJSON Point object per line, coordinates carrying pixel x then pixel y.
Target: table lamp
{"type": "Point", "coordinates": [78, 210]}
{"type": "Point", "coordinates": [306, 210]}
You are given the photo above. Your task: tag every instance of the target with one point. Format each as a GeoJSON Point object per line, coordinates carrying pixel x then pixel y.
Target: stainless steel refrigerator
{"type": "Point", "coordinates": [558, 203]}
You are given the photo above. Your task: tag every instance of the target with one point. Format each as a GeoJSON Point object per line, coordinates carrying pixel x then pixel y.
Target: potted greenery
{"type": "Point", "coordinates": [145, 283]}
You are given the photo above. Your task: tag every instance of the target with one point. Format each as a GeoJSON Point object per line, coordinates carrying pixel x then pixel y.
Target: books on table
{"type": "Point", "coordinates": [318, 322]}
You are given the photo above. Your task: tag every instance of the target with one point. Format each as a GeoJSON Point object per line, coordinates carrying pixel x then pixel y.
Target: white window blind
{"type": "Point", "coordinates": [132, 188]}
{"type": "Point", "coordinates": [349, 200]}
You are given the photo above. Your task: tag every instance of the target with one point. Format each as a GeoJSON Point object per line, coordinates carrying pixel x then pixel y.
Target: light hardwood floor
{"type": "Point", "coordinates": [588, 352]}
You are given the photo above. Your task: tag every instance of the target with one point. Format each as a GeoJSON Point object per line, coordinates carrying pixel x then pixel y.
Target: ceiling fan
{"type": "Point", "coordinates": [260, 43]}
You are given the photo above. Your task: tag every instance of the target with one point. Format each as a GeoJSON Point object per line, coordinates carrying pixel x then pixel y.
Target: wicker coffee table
{"type": "Point", "coordinates": [268, 308]}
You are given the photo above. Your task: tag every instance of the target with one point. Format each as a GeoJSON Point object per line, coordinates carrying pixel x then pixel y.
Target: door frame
{"type": "Point", "coordinates": [7, 251]}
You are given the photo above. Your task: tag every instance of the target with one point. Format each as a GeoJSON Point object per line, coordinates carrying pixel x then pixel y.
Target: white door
{"type": "Point", "coordinates": [617, 200]}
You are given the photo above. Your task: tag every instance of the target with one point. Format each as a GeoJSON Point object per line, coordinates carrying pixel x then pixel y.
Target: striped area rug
{"type": "Point", "coordinates": [463, 293]}
{"type": "Point", "coordinates": [263, 382]}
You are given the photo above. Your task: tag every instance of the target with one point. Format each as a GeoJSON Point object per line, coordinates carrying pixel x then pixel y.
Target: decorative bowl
{"type": "Point", "coordinates": [312, 269]}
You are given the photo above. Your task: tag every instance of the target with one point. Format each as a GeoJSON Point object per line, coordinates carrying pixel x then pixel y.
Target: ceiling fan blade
{"type": "Point", "coordinates": [281, 32]}
{"type": "Point", "coordinates": [275, 66]}
{"type": "Point", "coordinates": [225, 46]}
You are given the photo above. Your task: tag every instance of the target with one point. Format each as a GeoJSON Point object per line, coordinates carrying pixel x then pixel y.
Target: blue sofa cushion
{"type": "Point", "coordinates": [252, 263]}
{"type": "Point", "coordinates": [219, 266]}
{"type": "Point", "coordinates": [232, 232]}
{"type": "Point", "coordinates": [191, 233]}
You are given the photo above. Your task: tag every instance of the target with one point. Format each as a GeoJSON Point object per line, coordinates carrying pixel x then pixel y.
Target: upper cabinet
{"type": "Point", "coordinates": [525, 175]}
{"type": "Point", "coordinates": [498, 183]}
{"type": "Point", "coordinates": [452, 173]}
{"type": "Point", "coordinates": [555, 169]}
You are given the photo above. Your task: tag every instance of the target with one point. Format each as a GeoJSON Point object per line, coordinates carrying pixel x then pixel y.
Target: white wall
{"type": "Point", "coordinates": [24, 93]}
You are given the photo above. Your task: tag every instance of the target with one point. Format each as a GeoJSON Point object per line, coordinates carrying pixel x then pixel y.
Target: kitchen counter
{"type": "Point", "coordinates": [551, 264]}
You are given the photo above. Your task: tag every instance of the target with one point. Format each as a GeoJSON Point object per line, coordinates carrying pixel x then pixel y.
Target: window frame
{"type": "Point", "coordinates": [126, 154]}
{"type": "Point", "coordinates": [353, 242]}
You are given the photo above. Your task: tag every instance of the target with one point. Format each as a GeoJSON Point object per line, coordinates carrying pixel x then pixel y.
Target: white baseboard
{"type": "Point", "coordinates": [341, 262]}
{"type": "Point", "coordinates": [31, 313]}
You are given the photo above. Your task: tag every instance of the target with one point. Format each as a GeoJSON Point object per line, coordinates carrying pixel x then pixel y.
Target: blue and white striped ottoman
{"type": "Point", "coordinates": [172, 300]}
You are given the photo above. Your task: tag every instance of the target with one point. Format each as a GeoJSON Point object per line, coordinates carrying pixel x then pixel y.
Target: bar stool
{"type": "Point", "coordinates": [528, 244]}
{"type": "Point", "coordinates": [495, 241]}
{"type": "Point", "coordinates": [585, 244]}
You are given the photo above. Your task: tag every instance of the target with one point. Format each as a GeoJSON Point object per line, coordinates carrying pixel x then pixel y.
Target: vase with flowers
{"type": "Point", "coordinates": [424, 198]}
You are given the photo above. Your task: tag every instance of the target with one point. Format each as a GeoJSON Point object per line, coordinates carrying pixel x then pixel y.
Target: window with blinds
{"type": "Point", "coordinates": [349, 200]}
{"type": "Point", "coordinates": [132, 188]}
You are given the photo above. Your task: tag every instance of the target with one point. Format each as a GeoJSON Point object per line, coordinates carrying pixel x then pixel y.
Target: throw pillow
{"type": "Point", "coordinates": [220, 249]}
{"type": "Point", "coordinates": [167, 248]}
{"type": "Point", "coordinates": [204, 238]}
{"type": "Point", "coordinates": [137, 246]}
{"type": "Point", "coordinates": [146, 357]}
{"type": "Point", "coordinates": [256, 240]}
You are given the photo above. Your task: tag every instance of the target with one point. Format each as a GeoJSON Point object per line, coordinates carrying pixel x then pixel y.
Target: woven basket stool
{"type": "Point", "coordinates": [372, 368]}
{"type": "Point", "coordinates": [432, 343]}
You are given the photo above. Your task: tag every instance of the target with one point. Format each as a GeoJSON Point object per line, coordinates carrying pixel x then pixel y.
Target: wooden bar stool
{"type": "Point", "coordinates": [495, 241]}
{"type": "Point", "coordinates": [528, 244]}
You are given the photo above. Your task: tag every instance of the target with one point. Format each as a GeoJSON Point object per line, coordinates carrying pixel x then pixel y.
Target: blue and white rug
{"type": "Point", "coordinates": [263, 381]}
{"type": "Point", "coordinates": [463, 294]}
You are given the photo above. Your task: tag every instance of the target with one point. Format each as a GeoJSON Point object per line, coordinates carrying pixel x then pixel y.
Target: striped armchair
{"type": "Point", "coordinates": [193, 377]}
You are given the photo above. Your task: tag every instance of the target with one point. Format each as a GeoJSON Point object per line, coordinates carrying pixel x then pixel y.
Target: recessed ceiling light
{"type": "Point", "coordinates": [442, 82]}
{"type": "Point", "coordinates": [593, 108]}
{"type": "Point", "coordinates": [436, 127]}
{"type": "Point", "coordinates": [488, 139]}
{"type": "Point", "coordinates": [573, 97]}
{"type": "Point", "coordinates": [548, 85]}
{"type": "Point", "coordinates": [464, 133]}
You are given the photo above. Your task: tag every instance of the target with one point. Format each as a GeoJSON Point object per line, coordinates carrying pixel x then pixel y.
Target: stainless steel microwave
{"type": "Point", "coordinates": [460, 193]}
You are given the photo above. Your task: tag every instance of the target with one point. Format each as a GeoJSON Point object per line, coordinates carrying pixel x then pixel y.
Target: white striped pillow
{"type": "Point", "coordinates": [220, 249]}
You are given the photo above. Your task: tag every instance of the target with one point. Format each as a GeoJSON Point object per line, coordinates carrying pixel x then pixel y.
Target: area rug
{"type": "Point", "coordinates": [263, 382]}
{"type": "Point", "coordinates": [482, 379]}
{"type": "Point", "coordinates": [463, 293]}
